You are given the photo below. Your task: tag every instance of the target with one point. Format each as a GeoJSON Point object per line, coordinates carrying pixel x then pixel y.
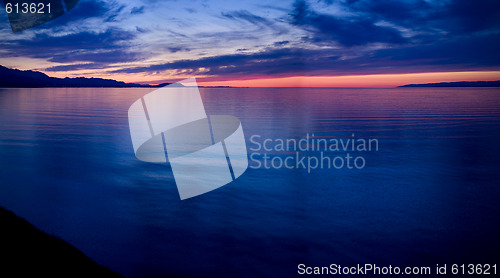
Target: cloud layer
{"type": "Point", "coordinates": [240, 40]}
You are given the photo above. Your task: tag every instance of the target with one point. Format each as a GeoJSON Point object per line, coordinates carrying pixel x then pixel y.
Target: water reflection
{"type": "Point", "coordinates": [68, 166]}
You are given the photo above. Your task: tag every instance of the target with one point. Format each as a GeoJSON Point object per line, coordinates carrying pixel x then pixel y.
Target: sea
{"type": "Point", "coordinates": [427, 194]}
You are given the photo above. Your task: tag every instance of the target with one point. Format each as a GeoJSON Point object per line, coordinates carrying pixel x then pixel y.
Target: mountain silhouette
{"type": "Point", "coordinates": [458, 84]}
{"type": "Point", "coordinates": [14, 78]}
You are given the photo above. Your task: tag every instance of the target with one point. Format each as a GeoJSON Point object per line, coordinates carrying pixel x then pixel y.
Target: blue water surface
{"type": "Point", "coordinates": [429, 195]}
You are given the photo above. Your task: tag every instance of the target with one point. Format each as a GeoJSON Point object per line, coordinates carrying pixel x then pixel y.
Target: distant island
{"type": "Point", "coordinates": [458, 84]}
{"type": "Point", "coordinates": [14, 78]}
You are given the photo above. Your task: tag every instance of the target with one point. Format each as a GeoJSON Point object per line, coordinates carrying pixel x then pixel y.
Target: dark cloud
{"type": "Point", "coordinates": [271, 61]}
{"type": "Point", "coordinates": [423, 21]}
{"type": "Point", "coordinates": [77, 67]}
{"type": "Point", "coordinates": [416, 35]}
{"type": "Point", "coordinates": [108, 56]}
{"type": "Point", "coordinates": [247, 16]}
{"type": "Point", "coordinates": [137, 10]}
{"type": "Point", "coordinates": [87, 40]}
{"type": "Point", "coordinates": [256, 20]}
{"type": "Point", "coordinates": [477, 51]}
{"type": "Point", "coordinates": [111, 46]}
{"type": "Point", "coordinates": [404, 13]}
{"type": "Point", "coordinates": [85, 10]}
{"type": "Point", "coordinates": [455, 17]}
{"type": "Point", "coordinates": [348, 32]}
{"type": "Point", "coordinates": [175, 49]}
{"type": "Point", "coordinates": [467, 53]}
{"type": "Point", "coordinates": [281, 43]}
{"type": "Point", "coordinates": [463, 16]}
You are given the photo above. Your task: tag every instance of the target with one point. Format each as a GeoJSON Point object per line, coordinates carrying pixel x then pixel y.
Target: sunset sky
{"type": "Point", "coordinates": [314, 43]}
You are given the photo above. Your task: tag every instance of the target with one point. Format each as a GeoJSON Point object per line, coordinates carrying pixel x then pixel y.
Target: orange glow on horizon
{"type": "Point", "coordinates": [359, 81]}
{"type": "Point", "coordinates": [346, 81]}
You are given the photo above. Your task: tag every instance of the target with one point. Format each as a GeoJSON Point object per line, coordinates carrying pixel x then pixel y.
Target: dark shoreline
{"type": "Point", "coordinates": [27, 251]}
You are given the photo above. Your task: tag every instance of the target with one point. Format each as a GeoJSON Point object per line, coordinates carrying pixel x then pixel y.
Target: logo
{"type": "Point", "coordinates": [170, 125]}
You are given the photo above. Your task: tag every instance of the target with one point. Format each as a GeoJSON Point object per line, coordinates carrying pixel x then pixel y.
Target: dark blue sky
{"type": "Point", "coordinates": [161, 40]}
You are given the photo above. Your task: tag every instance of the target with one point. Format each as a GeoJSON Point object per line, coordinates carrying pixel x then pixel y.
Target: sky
{"type": "Point", "coordinates": [309, 43]}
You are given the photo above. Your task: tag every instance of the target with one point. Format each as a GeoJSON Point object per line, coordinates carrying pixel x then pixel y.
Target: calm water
{"type": "Point", "coordinates": [430, 194]}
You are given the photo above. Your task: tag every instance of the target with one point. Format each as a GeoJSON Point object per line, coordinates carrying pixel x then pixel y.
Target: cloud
{"type": "Point", "coordinates": [107, 56]}
{"type": "Point", "coordinates": [77, 67]}
{"type": "Point", "coordinates": [454, 17]}
{"type": "Point", "coordinates": [85, 11]}
{"type": "Point", "coordinates": [177, 49]}
{"type": "Point", "coordinates": [110, 46]}
{"type": "Point", "coordinates": [408, 13]}
{"type": "Point", "coordinates": [475, 51]}
{"type": "Point", "coordinates": [137, 10]}
{"type": "Point", "coordinates": [314, 37]}
{"type": "Point", "coordinates": [467, 53]}
{"type": "Point", "coordinates": [277, 61]}
{"type": "Point", "coordinates": [281, 43]}
{"type": "Point", "coordinates": [462, 16]}
{"type": "Point", "coordinates": [90, 40]}
{"type": "Point", "coordinates": [245, 16]}
{"type": "Point", "coordinates": [347, 31]}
